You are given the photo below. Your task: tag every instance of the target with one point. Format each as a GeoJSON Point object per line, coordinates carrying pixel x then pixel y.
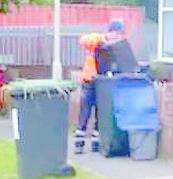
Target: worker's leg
{"type": "Point", "coordinates": [95, 139]}
{"type": "Point", "coordinates": [86, 104]}
{"type": "Point", "coordinates": [96, 119]}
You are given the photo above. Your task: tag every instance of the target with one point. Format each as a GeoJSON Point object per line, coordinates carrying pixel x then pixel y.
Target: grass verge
{"type": "Point", "coordinates": [8, 164]}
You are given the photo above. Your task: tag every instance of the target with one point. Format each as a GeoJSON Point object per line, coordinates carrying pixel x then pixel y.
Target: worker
{"type": "Point", "coordinates": [116, 30]}
{"type": "Point", "coordinates": [91, 42]}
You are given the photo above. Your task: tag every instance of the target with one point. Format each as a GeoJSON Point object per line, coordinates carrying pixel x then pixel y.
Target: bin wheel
{"type": "Point", "coordinates": [105, 152]}
{"type": "Point", "coordinates": [67, 171]}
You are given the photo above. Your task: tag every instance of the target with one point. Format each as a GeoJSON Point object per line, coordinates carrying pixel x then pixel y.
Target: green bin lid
{"type": "Point", "coordinates": [39, 85]}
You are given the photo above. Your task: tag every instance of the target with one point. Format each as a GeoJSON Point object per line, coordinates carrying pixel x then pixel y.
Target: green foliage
{"type": "Point", "coordinates": [4, 112]}
{"type": "Point", "coordinates": [4, 6]}
{"type": "Point", "coordinates": [156, 69]}
{"type": "Point", "coordinates": [117, 2]}
{"type": "Point", "coordinates": [42, 2]}
{"type": "Point", "coordinates": [111, 2]}
{"type": "Point", "coordinates": [17, 3]}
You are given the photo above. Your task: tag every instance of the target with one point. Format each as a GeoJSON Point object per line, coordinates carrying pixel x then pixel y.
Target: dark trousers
{"type": "Point", "coordinates": [87, 101]}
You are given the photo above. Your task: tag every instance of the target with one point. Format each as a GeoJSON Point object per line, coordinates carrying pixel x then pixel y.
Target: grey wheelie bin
{"type": "Point", "coordinates": [114, 56]}
{"type": "Point", "coordinates": [114, 141]}
{"type": "Point", "coordinates": [39, 110]}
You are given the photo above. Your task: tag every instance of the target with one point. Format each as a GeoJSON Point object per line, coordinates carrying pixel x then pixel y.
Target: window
{"type": "Point", "coordinates": [165, 29]}
{"type": "Point", "coordinates": [168, 3]}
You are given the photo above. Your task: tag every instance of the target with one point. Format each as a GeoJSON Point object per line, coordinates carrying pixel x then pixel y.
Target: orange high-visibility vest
{"type": "Point", "coordinates": [89, 69]}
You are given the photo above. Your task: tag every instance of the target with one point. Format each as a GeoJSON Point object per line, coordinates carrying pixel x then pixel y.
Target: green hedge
{"type": "Point", "coordinates": [107, 2]}
{"type": "Point", "coordinates": [117, 2]}
{"type": "Point", "coordinates": [42, 2]}
{"type": "Point", "coordinates": [4, 4]}
{"type": "Point", "coordinates": [111, 2]}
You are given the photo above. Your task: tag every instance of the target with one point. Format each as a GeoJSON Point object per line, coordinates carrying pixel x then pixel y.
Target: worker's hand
{"type": "Point", "coordinates": [86, 80]}
{"type": "Point", "coordinates": [110, 74]}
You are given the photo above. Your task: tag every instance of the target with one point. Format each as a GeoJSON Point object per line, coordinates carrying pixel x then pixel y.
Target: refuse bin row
{"type": "Point", "coordinates": [129, 125]}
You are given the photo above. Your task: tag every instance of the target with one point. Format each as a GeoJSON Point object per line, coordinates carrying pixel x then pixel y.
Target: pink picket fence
{"type": "Point", "coordinates": [71, 15]}
{"type": "Point", "coordinates": [27, 15]}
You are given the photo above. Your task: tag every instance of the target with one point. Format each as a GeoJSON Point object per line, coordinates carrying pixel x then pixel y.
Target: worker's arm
{"type": "Point", "coordinates": [89, 69]}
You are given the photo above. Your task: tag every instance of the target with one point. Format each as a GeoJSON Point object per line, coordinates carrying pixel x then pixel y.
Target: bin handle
{"type": "Point", "coordinates": [25, 93]}
{"type": "Point", "coordinates": [62, 92]}
{"type": "Point", "coordinates": [48, 94]}
{"type": "Point", "coordinates": [67, 91]}
{"type": "Point", "coordinates": [32, 95]}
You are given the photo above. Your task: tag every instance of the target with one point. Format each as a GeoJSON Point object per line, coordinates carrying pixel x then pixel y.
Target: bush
{"type": "Point", "coordinates": [111, 2]}
{"type": "Point", "coordinates": [4, 4]}
{"type": "Point", "coordinates": [156, 69]}
{"type": "Point", "coordinates": [42, 2]}
{"type": "Point", "coordinates": [118, 2]}
{"type": "Point", "coordinates": [4, 112]}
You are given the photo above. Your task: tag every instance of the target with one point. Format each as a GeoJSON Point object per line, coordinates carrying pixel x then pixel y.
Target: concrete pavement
{"type": "Point", "coordinates": [113, 168]}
